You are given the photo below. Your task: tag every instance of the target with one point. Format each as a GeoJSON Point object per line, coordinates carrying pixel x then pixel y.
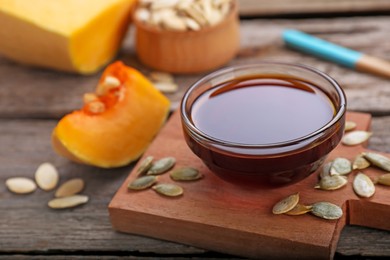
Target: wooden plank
{"type": "Point", "coordinates": [29, 227]}
{"type": "Point", "coordinates": [289, 7]}
{"type": "Point", "coordinates": [36, 93]}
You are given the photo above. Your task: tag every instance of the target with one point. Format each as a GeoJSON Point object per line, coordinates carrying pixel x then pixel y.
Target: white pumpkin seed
{"type": "Point", "coordinates": [168, 189]}
{"type": "Point", "coordinates": [145, 165]}
{"type": "Point", "coordinates": [360, 163]}
{"type": "Point", "coordinates": [341, 166]}
{"type": "Point", "coordinates": [158, 76]}
{"type": "Point", "coordinates": [299, 209]}
{"type": "Point", "coordinates": [363, 185]}
{"type": "Point", "coordinates": [161, 166]}
{"type": "Point", "coordinates": [384, 179]}
{"type": "Point", "coordinates": [286, 204]}
{"type": "Point", "coordinates": [142, 183]}
{"type": "Point", "coordinates": [326, 169]}
{"type": "Point", "coordinates": [326, 210]}
{"type": "Point", "coordinates": [70, 187]}
{"type": "Point", "coordinates": [355, 137]}
{"type": "Point", "coordinates": [46, 176]}
{"type": "Point", "coordinates": [378, 160]}
{"type": "Point", "coordinates": [333, 182]}
{"type": "Point", "coordinates": [186, 174]}
{"type": "Point", "coordinates": [349, 125]}
{"type": "Point", "coordinates": [166, 87]}
{"type": "Point", "coordinates": [68, 202]}
{"type": "Point", "coordinates": [20, 185]}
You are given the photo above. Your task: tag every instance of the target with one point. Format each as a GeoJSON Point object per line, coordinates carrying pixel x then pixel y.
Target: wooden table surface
{"type": "Point", "coordinates": [33, 100]}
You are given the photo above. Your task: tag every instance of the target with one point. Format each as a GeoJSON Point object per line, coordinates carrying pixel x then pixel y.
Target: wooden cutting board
{"type": "Point", "coordinates": [221, 216]}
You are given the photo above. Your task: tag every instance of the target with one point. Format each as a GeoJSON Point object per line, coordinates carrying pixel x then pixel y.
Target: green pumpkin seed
{"type": "Point", "coordinates": [363, 185]}
{"type": "Point", "coordinates": [286, 204]}
{"type": "Point", "coordinates": [326, 169]}
{"type": "Point", "coordinates": [384, 179]}
{"type": "Point", "coordinates": [349, 125]}
{"type": "Point", "coordinates": [333, 182]}
{"type": "Point", "coordinates": [299, 209]}
{"type": "Point", "coordinates": [356, 137]}
{"type": "Point", "coordinates": [360, 163]}
{"type": "Point", "coordinates": [341, 166]}
{"type": "Point", "coordinates": [145, 165]}
{"type": "Point", "coordinates": [326, 210]}
{"type": "Point", "coordinates": [186, 174]}
{"type": "Point", "coordinates": [378, 160]}
{"type": "Point", "coordinates": [168, 189]}
{"type": "Point", "coordinates": [161, 166]}
{"type": "Point", "coordinates": [142, 183]}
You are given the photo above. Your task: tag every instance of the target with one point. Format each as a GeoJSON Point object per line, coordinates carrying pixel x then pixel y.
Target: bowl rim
{"type": "Point", "coordinates": [200, 134]}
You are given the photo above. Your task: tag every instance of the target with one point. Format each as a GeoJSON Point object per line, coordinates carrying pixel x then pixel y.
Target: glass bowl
{"type": "Point", "coordinates": [282, 104]}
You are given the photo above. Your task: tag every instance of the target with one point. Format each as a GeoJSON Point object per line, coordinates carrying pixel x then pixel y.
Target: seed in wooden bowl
{"type": "Point", "coordinates": [286, 204]}
{"type": "Point", "coordinates": [378, 160]}
{"type": "Point", "coordinates": [68, 202]}
{"type": "Point", "coordinates": [161, 166]}
{"type": "Point", "coordinates": [168, 189]}
{"type": "Point", "coordinates": [355, 137]}
{"type": "Point", "coordinates": [70, 187]}
{"type": "Point", "coordinates": [326, 210]}
{"type": "Point", "coordinates": [46, 176]}
{"type": "Point", "coordinates": [363, 185]}
{"type": "Point", "coordinates": [186, 174]}
{"type": "Point", "coordinates": [142, 183]}
{"type": "Point", "coordinates": [20, 185]}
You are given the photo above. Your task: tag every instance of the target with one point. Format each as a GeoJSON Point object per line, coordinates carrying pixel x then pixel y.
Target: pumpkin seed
{"type": "Point", "coordinates": [363, 185]}
{"type": "Point", "coordinates": [186, 174]}
{"type": "Point", "coordinates": [286, 204]}
{"type": "Point", "coordinates": [68, 202]}
{"type": "Point", "coordinates": [168, 189]}
{"type": "Point", "coordinates": [360, 163]}
{"type": "Point", "coordinates": [326, 169]}
{"type": "Point", "coordinates": [378, 160]}
{"type": "Point", "coordinates": [20, 185]}
{"type": "Point", "coordinates": [333, 182]}
{"type": "Point", "coordinates": [166, 87]}
{"type": "Point", "coordinates": [384, 179]}
{"type": "Point", "coordinates": [326, 210]}
{"type": "Point", "coordinates": [142, 183]}
{"type": "Point", "coordinates": [46, 176]}
{"type": "Point", "coordinates": [159, 76]}
{"type": "Point", "coordinates": [70, 187]}
{"type": "Point", "coordinates": [349, 125]}
{"type": "Point", "coordinates": [161, 166]}
{"type": "Point", "coordinates": [145, 165]}
{"type": "Point", "coordinates": [356, 137]}
{"type": "Point", "coordinates": [299, 209]}
{"type": "Point", "coordinates": [341, 166]}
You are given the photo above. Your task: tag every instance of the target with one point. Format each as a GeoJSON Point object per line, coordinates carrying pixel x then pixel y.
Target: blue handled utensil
{"type": "Point", "coordinates": [335, 53]}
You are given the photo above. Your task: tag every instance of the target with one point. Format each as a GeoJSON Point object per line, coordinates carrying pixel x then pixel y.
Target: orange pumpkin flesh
{"type": "Point", "coordinates": [134, 113]}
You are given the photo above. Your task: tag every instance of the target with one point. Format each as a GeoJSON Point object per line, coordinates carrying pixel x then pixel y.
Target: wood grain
{"type": "Point", "coordinates": [286, 7]}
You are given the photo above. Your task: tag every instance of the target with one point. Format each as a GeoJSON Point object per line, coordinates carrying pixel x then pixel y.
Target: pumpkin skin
{"type": "Point", "coordinates": [121, 133]}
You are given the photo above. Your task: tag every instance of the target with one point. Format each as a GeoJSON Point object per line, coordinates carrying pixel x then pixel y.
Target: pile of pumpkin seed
{"type": "Point", "coordinates": [334, 175]}
{"type": "Point", "coordinates": [148, 174]}
{"type": "Point", "coordinates": [47, 179]}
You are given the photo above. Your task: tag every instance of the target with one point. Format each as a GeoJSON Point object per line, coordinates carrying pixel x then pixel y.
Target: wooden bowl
{"type": "Point", "coordinates": [189, 51]}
